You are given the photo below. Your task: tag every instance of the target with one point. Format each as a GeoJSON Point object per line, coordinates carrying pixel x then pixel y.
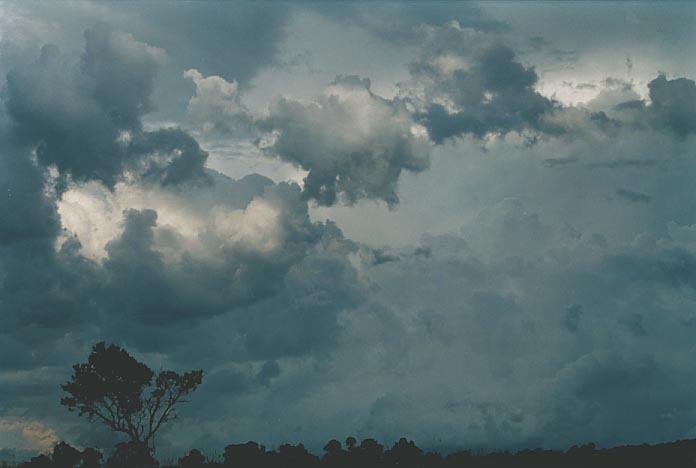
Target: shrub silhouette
{"type": "Point", "coordinates": [91, 458]}
{"type": "Point", "coordinates": [66, 456]}
{"type": "Point", "coordinates": [41, 461]}
{"type": "Point", "coordinates": [250, 454]}
{"type": "Point", "coordinates": [295, 456]}
{"type": "Point", "coordinates": [404, 453]}
{"type": "Point", "coordinates": [131, 455]}
{"type": "Point", "coordinates": [195, 459]}
{"type": "Point", "coordinates": [124, 394]}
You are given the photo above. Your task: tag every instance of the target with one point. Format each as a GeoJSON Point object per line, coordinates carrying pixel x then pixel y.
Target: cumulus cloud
{"type": "Point", "coordinates": [108, 225]}
{"type": "Point", "coordinates": [83, 116]}
{"type": "Point", "coordinates": [353, 143]}
{"type": "Point", "coordinates": [671, 106]}
{"type": "Point", "coordinates": [216, 106]}
{"type": "Point", "coordinates": [535, 310]}
{"type": "Point", "coordinates": [465, 83]}
{"type": "Point", "coordinates": [27, 435]}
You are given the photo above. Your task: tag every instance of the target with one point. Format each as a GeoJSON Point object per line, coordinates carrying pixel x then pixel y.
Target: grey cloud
{"type": "Point", "coordinates": [353, 143]}
{"type": "Point", "coordinates": [554, 163]}
{"type": "Point", "coordinates": [630, 105]}
{"type": "Point", "coordinates": [634, 197]}
{"type": "Point", "coordinates": [492, 93]}
{"type": "Point", "coordinates": [49, 109]}
{"type": "Point", "coordinates": [634, 324]}
{"type": "Point", "coordinates": [673, 266]}
{"type": "Point", "coordinates": [171, 156]}
{"type": "Point", "coordinates": [236, 41]}
{"type": "Point", "coordinates": [571, 317]}
{"type": "Point", "coordinates": [305, 314]}
{"type": "Point", "coordinates": [27, 212]}
{"type": "Point", "coordinates": [165, 290]}
{"type": "Point", "coordinates": [269, 371]}
{"type": "Point", "coordinates": [615, 383]}
{"type": "Point", "coordinates": [376, 256]}
{"type": "Point", "coordinates": [564, 316]}
{"type": "Point", "coordinates": [122, 72]}
{"type": "Point", "coordinates": [673, 104]}
{"type": "Point", "coordinates": [82, 115]}
{"type": "Point", "coordinates": [402, 22]}
{"type": "Point", "coordinates": [216, 107]}
{"type": "Point", "coordinates": [623, 163]}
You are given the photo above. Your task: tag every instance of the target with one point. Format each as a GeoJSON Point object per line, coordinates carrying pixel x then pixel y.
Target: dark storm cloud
{"type": "Point", "coordinates": [27, 212]}
{"type": "Point", "coordinates": [257, 250]}
{"type": "Point", "coordinates": [476, 88]}
{"type": "Point", "coordinates": [675, 267]}
{"type": "Point", "coordinates": [353, 143]}
{"type": "Point", "coordinates": [401, 22]}
{"type": "Point", "coordinates": [39, 286]}
{"type": "Point", "coordinates": [171, 156]}
{"type": "Point", "coordinates": [563, 315]}
{"type": "Point", "coordinates": [261, 280]}
{"type": "Point", "coordinates": [121, 72]}
{"type": "Point", "coordinates": [615, 383]}
{"type": "Point", "coordinates": [671, 106]}
{"type": "Point", "coordinates": [83, 116]}
{"type": "Point", "coordinates": [303, 318]}
{"type": "Point", "coordinates": [51, 109]}
{"type": "Point", "coordinates": [238, 40]}
{"type": "Point", "coordinates": [232, 41]}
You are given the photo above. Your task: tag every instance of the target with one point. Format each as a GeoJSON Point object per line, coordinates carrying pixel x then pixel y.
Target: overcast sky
{"type": "Point", "coordinates": [472, 225]}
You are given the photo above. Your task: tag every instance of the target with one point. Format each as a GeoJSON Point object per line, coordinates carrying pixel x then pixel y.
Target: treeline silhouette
{"type": "Point", "coordinates": [370, 454]}
{"type": "Point", "coordinates": [128, 397]}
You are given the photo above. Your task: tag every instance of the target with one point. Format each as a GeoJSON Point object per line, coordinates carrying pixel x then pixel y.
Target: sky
{"type": "Point", "coordinates": [469, 224]}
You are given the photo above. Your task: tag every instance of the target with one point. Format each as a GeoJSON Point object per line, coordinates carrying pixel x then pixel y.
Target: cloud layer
{"type": "Point", "coordinates": [451, 250]}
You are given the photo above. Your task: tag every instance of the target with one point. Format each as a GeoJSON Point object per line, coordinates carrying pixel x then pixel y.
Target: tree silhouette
{"type": "Point", "coordinates": [66, 456]}
{"type": "Point", "coordinates": [131, 455]}
{"type": "Point", "coordinates": [195, 459]}
{"type": "Point", "coordinates": [125, 395]}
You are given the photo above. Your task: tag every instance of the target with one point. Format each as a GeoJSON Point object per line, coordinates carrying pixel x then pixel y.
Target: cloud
{"type": "Point", "coordinates": [27, 435]}
{"type": "Point", "coordinates": [463, 83]}
{"type": "Point", "coordinates": [63, 109]}
{"type": "Point", "coordinates": [672, 103]}
{"type": "Point", "coordinates": [208, 256]}
{"type": "Point", "coordinates": [571, 317]}
{"type": "Point", "coordinates": [216, 39]}
{"type": "Point", "coordinates": [671, 106]}
{"type": "Point", "coordinates": [216, 106]}
{"type": "Point", "coordinates": [634, 197]}
{"type": "Point", "coordinates": [564, 310]}
{"type": "Point", "coordinates": [353, 143]}
{"type": "Point", "coordinates": [236, 43]}
{"type": "Point", "coordinates": [122, 71]}
{"type": "Point", "coordinates": [402, 22]}
{"type": "Point", "coordinates": [28, 213]}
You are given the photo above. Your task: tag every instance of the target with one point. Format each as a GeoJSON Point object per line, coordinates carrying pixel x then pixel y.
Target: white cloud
{"type": "Point", "coordinates": [26, 434]}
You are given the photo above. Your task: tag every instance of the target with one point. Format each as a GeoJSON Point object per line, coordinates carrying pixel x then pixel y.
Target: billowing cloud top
{"type": "Point", "coordinates": [352, 142]}
{"type": "Point", "coordinates": [462, 224]}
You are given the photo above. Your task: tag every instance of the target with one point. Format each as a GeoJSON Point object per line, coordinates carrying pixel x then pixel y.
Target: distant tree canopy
{"type": "Point", "coordinates": [371, 454]}
{"type": "Point", "coordinates": [125, 394]}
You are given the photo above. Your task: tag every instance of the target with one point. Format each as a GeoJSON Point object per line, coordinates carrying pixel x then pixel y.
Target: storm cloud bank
{"type": "Point", "coordinates": [458, 253]}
